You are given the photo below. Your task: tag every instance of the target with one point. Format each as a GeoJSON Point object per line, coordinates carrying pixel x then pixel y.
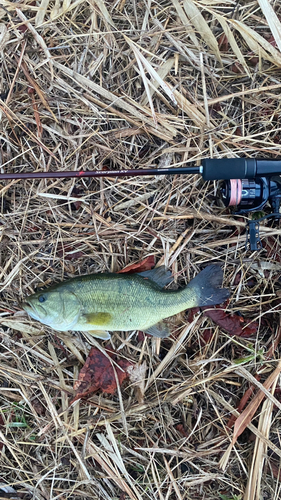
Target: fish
{"type": "Point", "coordinates": [105, 302]}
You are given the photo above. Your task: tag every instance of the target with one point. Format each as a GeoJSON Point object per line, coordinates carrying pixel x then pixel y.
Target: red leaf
{"type": "Point", "coordinates": [232, 324]}
{"type": "Point", "coordinates": [253, 61]}
{"type": "Point", "coordinates": [191, 313]}
{"type": "Point", "coordinates": [141, 336]}
{"type": "Point", "coordinates": [138, 267]}
{"type": "Point", "coordinates": [207, 335]}
{"type": "Point", "coordinates": [237, 279]}
{"type": "Point", "coordinates": [180, 428]}
{"type": "Point", "coordinates": [22, 28]}
{"type": "Point", "coordinates": [237, 68]}
{"type": "Point", "coordinates": [275, 468]}
{"type": "Point", "coordinates": [98, 373]}
{"type": "Point", "coordinates": [272, 41]}
{"type": "Point", "coordinates": [223, 43]}
{"type": "Point", "coordinates": [238, 131]}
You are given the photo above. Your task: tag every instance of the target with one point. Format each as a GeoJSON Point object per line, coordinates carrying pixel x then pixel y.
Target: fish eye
{"type": "Point", "coordinates": [42, 298]}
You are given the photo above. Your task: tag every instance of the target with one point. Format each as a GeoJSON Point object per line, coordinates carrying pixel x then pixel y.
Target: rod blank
{"type": "Point", "coordinates": [100, 173]}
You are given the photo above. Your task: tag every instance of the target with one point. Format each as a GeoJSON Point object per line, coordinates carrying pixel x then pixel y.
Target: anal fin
{"type": "Point", "coordinates": [159, 330]}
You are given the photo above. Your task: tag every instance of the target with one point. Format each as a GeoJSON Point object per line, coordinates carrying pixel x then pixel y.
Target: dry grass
{"type": "Point", "coordinates": [123, 84]}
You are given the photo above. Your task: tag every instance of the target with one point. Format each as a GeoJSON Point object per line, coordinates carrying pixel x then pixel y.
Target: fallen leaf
{"type": "Point", "coordinates": [275, 468]}
{"type": "Point", "coordinates": [207, 335]}
{"type": "Point", "coordinates": [180, 428]}
{"type": "Point", "coordinates": [246, 416]}
{"type": "Point", "coordinates": [237, 68]}
{"type": "Point", "coordinates": [98, 373]}
{"type": "Point", "coordinates": [191, 313]}
{"type": "Point", "coordinates": [250, 391]}
{"type": "Point", "coordinates": [272, 41]}
{"type": "Point", "coordinates": [244, 400]}
{"type": "Point", "coordinates": [223, 43]}
{"type": "Point", "coordinates": [144, 150]}
{"type": "Point", "coordinates": [232, 324]}
{"type": "Point", "coordinates": [137, 378]}
{"type": "Point", "coordinates": [141, 336]}
{"type": "Point", "coordinates": [68, 252]}
{"type": "Point", "coordinates": [138, 267]}
{"type": "Point", "coordinates": [75, 205]}
{"type": "Point", "coordinates": [38, 407]}
{"type": "Point", "coordinates": [253, 61]}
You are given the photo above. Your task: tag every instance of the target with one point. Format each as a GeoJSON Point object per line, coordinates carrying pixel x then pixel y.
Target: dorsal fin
{"type": "Point", "coordinates": [159, 275]}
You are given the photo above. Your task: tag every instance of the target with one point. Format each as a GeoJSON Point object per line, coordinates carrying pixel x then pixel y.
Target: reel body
{"type": "Point", "coordinates": [249, 195]}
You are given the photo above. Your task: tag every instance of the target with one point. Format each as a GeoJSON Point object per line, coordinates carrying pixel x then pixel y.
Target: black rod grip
{"type": "Point", "coordinates": [229, 168]}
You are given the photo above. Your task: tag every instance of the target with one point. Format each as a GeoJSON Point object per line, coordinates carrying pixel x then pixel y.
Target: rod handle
{"type": "Point", "coordinates": [229, 168]}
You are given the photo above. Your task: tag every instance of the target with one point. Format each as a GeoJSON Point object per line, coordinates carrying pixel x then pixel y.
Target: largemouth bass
{"type": "Point", "coordinates": [101, 303]}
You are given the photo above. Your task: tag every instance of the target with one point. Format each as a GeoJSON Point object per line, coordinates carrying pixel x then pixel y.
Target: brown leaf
{"type": "Point", "coordinates": [33, 83]}
{"type": "Point", "coordinates": [207, 335]}
{"type": "Point", "coordinates": [144, 150]}
{"type": "Point", "coordinates": [137, 378]}
{"type": "Point", "coordinates": [38, 407]}
{"type": "Point", "coordinates": [191, 313]}
{"type": "Point", "coordinates": [223, 43]}
{"type": "Point", "coordinates": [244, 400]}
{"type": "Point", "coordinates": [180, 428]}
{"type": "Point", "coordinates": [68, 252]}
{"type": "Point", "coordinates": [138, 267]}
{"type": "Point", "coordinates": [141, 336]}
{"type": "Point", "coordinates": [246, 416]}
{"type": "Point", "coordinates": [98, 373]}
{"type": "Point", "coordinates": [275, 469]}
{"type": "Point", "coordinates": [237, 68]}
{"type": "Point", "coordinates": [232, 324]}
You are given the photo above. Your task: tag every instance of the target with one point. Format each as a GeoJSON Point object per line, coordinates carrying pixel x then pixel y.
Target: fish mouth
{"type": "Point", "coordinates": [28, 307]}
{"type": "Point", "coordinates": [25, 305]}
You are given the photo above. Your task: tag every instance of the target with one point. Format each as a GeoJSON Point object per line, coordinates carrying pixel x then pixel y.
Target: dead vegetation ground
{"type": "Point", "coordinates": [133, 84]}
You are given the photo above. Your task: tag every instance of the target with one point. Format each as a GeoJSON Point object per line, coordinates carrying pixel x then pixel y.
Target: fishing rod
{"type": "Point", "coordinates": [211, 170]}
{"type": "Point", "coordinates": [246, 183]}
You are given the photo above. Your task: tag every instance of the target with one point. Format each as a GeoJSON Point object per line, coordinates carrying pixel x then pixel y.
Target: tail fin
{"type": "Point", "coordinates": [206, 286]}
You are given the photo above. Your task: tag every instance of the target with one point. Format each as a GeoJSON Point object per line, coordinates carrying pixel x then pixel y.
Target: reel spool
{"type": "Point", "coordinates": [246, 194]}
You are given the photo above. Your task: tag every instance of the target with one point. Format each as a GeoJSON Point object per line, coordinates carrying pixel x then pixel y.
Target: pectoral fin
{"type": "Point", "coordinates": [159, 330]}
{"type": "Point", "coordinates": [97, 319]}
{"type": "Point", "coordinates": [100, 334]}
